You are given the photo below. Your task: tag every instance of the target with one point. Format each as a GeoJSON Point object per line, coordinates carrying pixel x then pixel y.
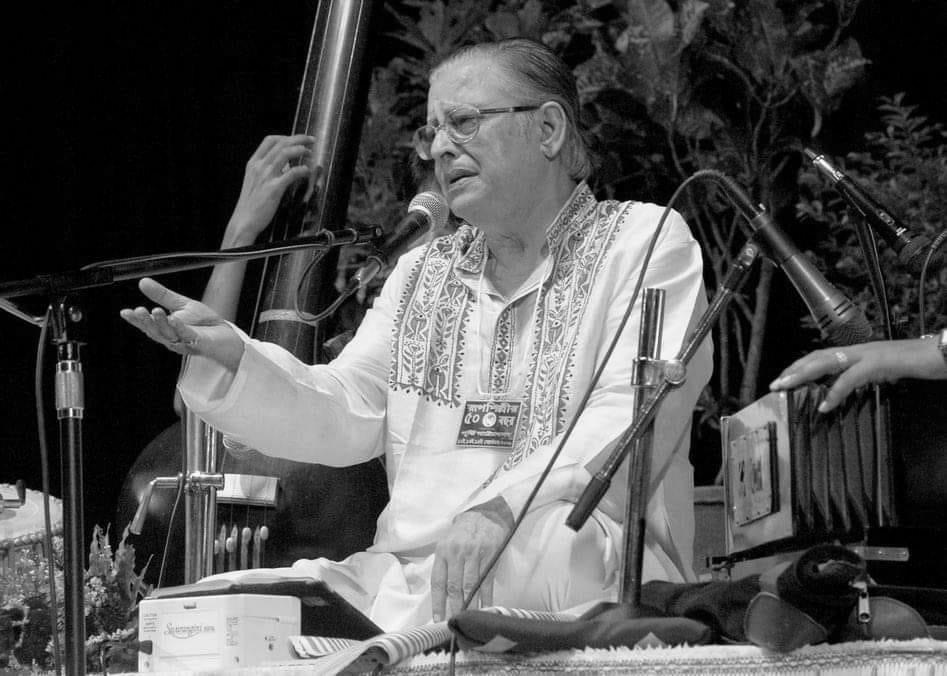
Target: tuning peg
{"type": "Point", "coordinates": [232, 548]}
{"type": "Point", "coordinates": [244, 548]}
{"type": "Point", "coordinates": [256, 547]}
{"type": "Point", "coordinates": [220, 547]}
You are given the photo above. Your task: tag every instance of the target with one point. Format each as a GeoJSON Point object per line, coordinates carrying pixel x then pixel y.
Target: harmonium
{"type": "Point", "coordinates": [872, 474]}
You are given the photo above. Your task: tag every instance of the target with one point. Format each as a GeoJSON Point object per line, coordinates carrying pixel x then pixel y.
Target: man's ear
{"type": "Point", "coordinates": [553, 128]}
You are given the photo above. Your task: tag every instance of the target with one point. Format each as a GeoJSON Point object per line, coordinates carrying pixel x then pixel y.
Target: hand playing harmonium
{"type": "Point", "coordinates": [876, 362]}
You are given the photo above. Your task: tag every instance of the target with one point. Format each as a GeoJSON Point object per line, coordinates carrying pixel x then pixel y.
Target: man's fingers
{"type": "Point", "coordinates": [486, 589]}
{"type": "Point", "coordinates": [290, 148]}
{"type": "Point", "coordinates": [141, 319]}
{"type": "Point", "coordinates": [470, 579]}
{"type": "Point", "coordinates": [292, 175]}
{"type": "Point", "coordinates": [162, 295]}
{"type": "Point", "coordinates": [164, 329]}
{"type": "Point", "coordinates": [266, 145]}
{"type": "Point", "coordinates": [455, 586]}
{"type": "Point", "coordinates": [133, 317]}
{"type": "Point", "coordinates": [439, 588]}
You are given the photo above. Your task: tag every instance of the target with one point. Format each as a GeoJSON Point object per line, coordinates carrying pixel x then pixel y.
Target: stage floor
{"type": "Point", "coordinates": [919, 657]}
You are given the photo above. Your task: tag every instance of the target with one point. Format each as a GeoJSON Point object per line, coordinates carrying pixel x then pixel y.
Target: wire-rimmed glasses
{"type": "Point", "coordinates": [461, 124]}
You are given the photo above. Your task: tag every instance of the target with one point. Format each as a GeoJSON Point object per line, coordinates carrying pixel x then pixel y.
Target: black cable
{"type": "Point", "coordinates": [876, 278]}
{"type": "Point", "coordinates": [180, 492]}
{"type": "Point", "coordinates": [922, 282]}
{"type": "Point", "coordinates": [44, 467]}
{"type": "Point", "coordinates": [167, 539]}
{"type": "Point", "coordinates": [305, 317]}
{"type": "Point", "coordinates": [582, 403]}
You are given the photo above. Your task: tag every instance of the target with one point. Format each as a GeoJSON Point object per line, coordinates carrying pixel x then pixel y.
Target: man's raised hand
{"type": "Point", "coordinates": [185, 326]}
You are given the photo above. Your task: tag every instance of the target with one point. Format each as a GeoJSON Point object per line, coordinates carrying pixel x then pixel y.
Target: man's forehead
{"type": "Point", "coordinates": [468, 80]}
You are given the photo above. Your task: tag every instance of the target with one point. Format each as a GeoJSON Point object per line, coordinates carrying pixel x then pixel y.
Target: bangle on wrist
{"type": "Point", "coordinates": [940, 339]}
{"type": "Point", "coordinates": [942, 344]}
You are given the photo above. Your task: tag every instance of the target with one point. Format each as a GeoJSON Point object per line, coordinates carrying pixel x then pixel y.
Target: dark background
{"type": "Point", "coordinates": [126, 130]}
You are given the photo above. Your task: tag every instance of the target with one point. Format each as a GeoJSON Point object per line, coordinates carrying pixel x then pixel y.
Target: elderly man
{"type": "Point", "coordinates": [472, 363]}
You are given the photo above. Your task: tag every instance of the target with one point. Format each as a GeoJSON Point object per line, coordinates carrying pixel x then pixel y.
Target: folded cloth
{"type": "Point", "coordinates": [487, 631]}
{"type": "Point", "coordinates": [719, 604]}
{"type": "Point", "coordinates": [821, 596]}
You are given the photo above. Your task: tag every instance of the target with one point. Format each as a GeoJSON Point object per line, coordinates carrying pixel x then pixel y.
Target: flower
{"type": "Point", "coordinates": [113, 588]}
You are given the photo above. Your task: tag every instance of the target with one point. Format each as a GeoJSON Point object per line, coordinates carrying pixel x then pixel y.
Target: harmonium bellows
{"type": "Point", "coordinates": [794, 475]}
{"type": "Point", "coordinates": [871, 473]}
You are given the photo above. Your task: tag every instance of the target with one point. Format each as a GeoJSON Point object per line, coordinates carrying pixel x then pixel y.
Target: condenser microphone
{"type": "Point", "coordinates": [909, 247]}
{"type": "Point", "coordinates": [840, 321]}
{"type": "Point", "coordinates": [427, 210]}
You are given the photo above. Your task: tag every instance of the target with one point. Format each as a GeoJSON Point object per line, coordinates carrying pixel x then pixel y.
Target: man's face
{"type": "Point", "coordinates": [487, 180]}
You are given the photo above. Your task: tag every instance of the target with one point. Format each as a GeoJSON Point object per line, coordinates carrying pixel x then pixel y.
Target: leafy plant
{"type": "Point", "coordinates": [905, 166]}
{"type": "Point", "coordinates": [113, 588]}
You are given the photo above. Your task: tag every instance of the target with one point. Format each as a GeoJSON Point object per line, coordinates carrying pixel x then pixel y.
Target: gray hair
{"type": "Point", "coordinates": [545, 76]}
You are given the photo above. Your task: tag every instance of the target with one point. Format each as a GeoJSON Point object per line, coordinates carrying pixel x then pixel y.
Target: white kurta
{"type": "Point", "coordinates": [438, 339]}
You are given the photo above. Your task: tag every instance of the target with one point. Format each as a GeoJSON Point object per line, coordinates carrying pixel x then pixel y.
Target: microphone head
{"type": "Point", "coordinates": [853, 328]}
{"type": "Point", "coordinates": [914, 253]}
{"type": "Point", "coordinates": [433, 205]}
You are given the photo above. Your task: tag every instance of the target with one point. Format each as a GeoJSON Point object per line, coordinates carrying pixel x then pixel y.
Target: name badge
{"type": "Point", "coordinates": [489, 423]}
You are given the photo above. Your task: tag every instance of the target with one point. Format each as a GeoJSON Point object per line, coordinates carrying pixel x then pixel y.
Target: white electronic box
{"type": "Point", "coordinates": [225, 631]}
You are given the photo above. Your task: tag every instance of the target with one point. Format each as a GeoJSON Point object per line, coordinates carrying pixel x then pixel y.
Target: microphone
{"type": "Point", "coordinates": [910, 248]}
{"type": "Point", "coordinates": [427, 210]}
{"type": "Point", "coordinates": [840, 321]}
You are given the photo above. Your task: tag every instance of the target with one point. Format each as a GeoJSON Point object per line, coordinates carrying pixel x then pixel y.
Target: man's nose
{"type": "Point", "coordinates": [442, 143]}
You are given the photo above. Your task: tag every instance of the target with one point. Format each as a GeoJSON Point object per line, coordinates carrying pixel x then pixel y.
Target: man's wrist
{"type": "Point", "coordinates": [497, 510]}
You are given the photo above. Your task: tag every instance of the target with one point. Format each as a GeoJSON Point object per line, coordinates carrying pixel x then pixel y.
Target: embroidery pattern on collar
{"type": "Point", "coordinates": [435, 310]}
{"type": "Point", "coordinates": [501, 354]}
{"type": "Point", "coordinates": [581, 240]}
{"type": "Point", "coordinates": [430, 324]}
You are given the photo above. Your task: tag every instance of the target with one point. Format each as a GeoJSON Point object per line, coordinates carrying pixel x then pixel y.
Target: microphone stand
{"type": "Point", "coordinates": [869, 247]}
{"type": "Point", "coordinates": [673, 373]}
{"type": "Point", "coordinates": [645, 377]}
{"type": "Point", "coordinates": [70, 395]}
{"type": "Point", "coordinates": [70, 408]}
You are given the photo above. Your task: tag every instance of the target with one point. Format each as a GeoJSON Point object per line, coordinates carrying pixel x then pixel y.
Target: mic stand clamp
{"type": "Point", "coordinates": [673, 373]}
{"type": "Point", "coordinates": [200, 488]}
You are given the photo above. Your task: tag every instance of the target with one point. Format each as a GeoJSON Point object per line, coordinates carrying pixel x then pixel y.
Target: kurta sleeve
{"type": "Point", "coordinates": [332, 414]}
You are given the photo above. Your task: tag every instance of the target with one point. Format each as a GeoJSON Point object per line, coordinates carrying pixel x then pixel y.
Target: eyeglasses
{"type": "Point", "coordinates": [461, 124]}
